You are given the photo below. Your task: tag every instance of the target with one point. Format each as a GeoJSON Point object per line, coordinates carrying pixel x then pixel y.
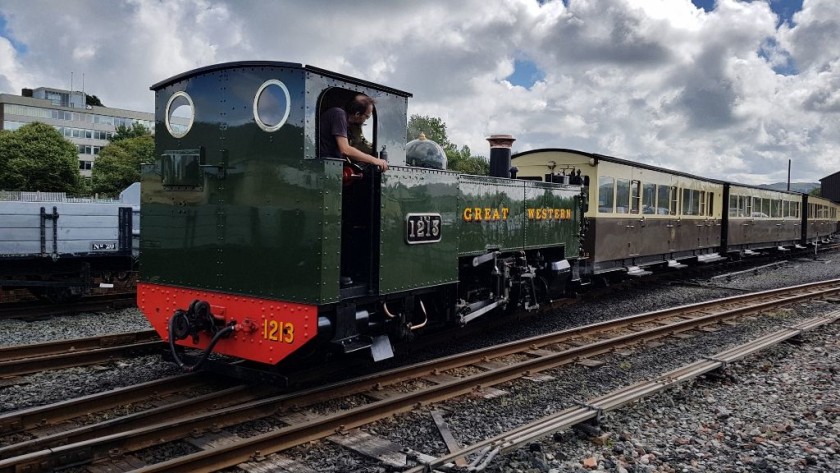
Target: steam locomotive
{"type": "Point", "coordinates": [256, 246]}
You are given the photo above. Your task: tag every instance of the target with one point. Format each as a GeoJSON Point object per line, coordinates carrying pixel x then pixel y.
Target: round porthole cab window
{"type": "Point", "coordinates": [272, 104]}
{"type": "Point", "coordinates": [180, 113]}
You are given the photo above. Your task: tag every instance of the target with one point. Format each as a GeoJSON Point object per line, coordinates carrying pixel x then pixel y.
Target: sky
{"type": "Point", "coordinates": [727, 89]}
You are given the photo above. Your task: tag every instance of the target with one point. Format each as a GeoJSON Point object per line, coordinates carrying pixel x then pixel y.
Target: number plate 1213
{"type": "Point", "coordinates": [422, 228]}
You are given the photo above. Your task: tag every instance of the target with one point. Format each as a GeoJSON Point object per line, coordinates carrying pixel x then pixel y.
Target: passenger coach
{"type": "Point", "coordinates": [638, 216]}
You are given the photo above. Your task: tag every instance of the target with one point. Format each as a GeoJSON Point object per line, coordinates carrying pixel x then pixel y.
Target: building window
{"type": "Point", "coordinates": [85, 165]}
{"type": "Point", "coordinates": [11, 126]}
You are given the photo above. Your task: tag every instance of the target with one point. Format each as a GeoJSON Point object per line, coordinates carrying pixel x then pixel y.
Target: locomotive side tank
{"type": "Point", "coordinates": [255, 245]}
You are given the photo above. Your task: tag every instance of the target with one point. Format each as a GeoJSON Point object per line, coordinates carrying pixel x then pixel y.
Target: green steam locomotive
{"type": "Point", "coordinates": [256, 246]}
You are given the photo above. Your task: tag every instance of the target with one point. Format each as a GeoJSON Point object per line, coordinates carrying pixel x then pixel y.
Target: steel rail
{"type": "Point", "coordinates": [181, 409]}
{"type": "Point", "coordinates": [17, 352]}
{"type": "Point", "coordinates": [302, 432]}
{"type": "Point", "coordinates": [26, 359]}
{"type": "Point", "coordinates": [591, 409]}
{"type": "Point", "coordinates": [21, 420]}
{"type": "Point", "coordinates": [34, 309]}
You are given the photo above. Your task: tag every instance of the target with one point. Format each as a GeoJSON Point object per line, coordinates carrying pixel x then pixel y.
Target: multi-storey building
{"type": "Point", "coordinates": [88, 127]}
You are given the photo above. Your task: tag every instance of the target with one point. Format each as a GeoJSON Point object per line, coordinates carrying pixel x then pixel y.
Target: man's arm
{"type": "Point", "coordinates": [356, 155]}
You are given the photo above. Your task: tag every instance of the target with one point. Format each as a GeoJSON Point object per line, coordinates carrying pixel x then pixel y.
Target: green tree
{"type": "Point", "coordinates": [118, 164]}
{"type": "Point", "coordinates": [816, 192]}
{"type": "Point", "coordinates": [93, 100]}
{"type": "Point", "coordinates": [464, 162]}
{"type": "Point", "coordinates": [36, 157]}
{"type": "Point", "coordinates": [432, 127]}
{"type": "Point", "coordinates": [123, 132]}
{"type": "Point", "coordinates": [459, 160]}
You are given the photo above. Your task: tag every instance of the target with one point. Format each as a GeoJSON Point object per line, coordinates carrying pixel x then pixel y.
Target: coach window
{"type": "Point", "coordinates": [702, 209]}
{"type": "Point", "coordinates": [663, 199]}
{"type": "Point", "coordinates": [635, 196]}
{"type": "Point", "coordinates": [775, 208]}
{"type": "Point", "coordinates": [710, 209]}
{"type": "Point", "coordinates": [622, 195]}
{"type": "Point", "coordinates": [756, 207]}
{"type": "Point", "coordinates": [674, 204]}
{"type": "Point", "coordinates": [649, 198]}
{"type": "Point", "coordinates": [606, 194]}
{"type": "Point", "coordinates": [686, 202]}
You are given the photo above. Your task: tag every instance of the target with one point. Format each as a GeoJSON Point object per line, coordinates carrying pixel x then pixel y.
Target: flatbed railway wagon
{"type": "Point", "coordinates": [59, 247]}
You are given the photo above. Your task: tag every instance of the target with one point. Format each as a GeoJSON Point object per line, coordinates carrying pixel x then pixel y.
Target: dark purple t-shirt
{"type": "Point", "coordinates": [333, 123]}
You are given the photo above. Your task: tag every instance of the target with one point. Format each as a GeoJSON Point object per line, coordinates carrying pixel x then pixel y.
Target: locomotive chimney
{"type": "Point", "coordinates": [500, 154]}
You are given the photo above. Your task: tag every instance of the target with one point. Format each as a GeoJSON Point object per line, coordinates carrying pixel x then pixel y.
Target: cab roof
{"type": "Point", "coordinates": [291, 65]}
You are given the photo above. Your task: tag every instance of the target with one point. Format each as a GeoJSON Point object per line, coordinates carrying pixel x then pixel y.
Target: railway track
{"type": "Point", "coordinates": [303, 416]}
{"type": "Point", "coordinates": [36, 309]}
{"type": "Point", "coordinates": [24, 359]}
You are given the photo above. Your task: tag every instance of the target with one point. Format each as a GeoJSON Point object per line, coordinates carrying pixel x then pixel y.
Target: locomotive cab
{"type": "Point", "coordinates": [251, 230]}
{"type": "Point", "coordinates": [359, 203]}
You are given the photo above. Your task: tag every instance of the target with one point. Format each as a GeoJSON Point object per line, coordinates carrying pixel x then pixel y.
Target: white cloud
{"type": "Point", "coordinates": [659, 81]}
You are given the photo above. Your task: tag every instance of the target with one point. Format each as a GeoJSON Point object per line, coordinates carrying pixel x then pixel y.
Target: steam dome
{"type": "Point", "coordinates": [425, 153]}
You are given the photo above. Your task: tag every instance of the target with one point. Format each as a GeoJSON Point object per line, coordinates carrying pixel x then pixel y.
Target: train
{"type": "Point", "coordinates": [256, 246]}
{"type": "Point", "coordinates": [641, 218]}
{"type": "Point", "coordinates": [59, 248]}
